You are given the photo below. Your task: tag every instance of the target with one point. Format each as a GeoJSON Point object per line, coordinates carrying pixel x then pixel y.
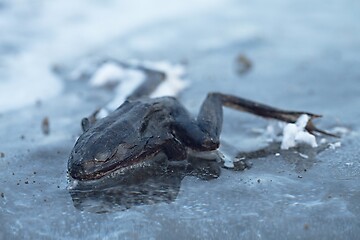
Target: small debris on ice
{"type": "Point", "coordinates": [334, 145]}
{"type": "Point", "coordinates": [303, 155]}
{"type": "Point", "coordinates": [243, 64]}
{"type": "Point", "coordinates": [294, 134]}
{"type": "Point", "coordinates": [228, 162]}
{"type": "Point", "coordinates": [45, 126]}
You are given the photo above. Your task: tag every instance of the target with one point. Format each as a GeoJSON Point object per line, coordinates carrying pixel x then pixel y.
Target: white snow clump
{"type": "Point", "coordinates": [295, 133]}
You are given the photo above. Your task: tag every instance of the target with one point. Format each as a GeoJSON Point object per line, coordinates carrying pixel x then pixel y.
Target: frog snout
{"type": "Point", "coordinates": [76, 171]}
{"type": "Point", "coordinates": [80, 171]}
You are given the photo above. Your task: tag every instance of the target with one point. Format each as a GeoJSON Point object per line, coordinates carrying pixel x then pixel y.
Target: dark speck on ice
{"type": "Point", "coordinates": [45, 126]}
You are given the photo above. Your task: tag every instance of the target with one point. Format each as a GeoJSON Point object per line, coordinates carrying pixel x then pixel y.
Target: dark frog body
{"type": "Point", "coordinates": [144, 129]}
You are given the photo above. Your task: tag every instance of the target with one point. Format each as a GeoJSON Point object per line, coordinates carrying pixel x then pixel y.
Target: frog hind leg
{"type": "Point", "coordinates": [203, 133]}
{"type": "Point", "coordinates": [210, 115]}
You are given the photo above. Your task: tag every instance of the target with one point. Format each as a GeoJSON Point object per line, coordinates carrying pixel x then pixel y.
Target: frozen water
{"type": "Point", "coordinates": [304, 57]}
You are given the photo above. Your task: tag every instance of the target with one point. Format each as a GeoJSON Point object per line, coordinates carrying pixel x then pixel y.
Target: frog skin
{"type": "Point", "coordinates": [143, 129]}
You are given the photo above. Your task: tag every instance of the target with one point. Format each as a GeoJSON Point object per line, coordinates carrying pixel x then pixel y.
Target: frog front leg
{"type": "Point", "coordinates": [203, 133]}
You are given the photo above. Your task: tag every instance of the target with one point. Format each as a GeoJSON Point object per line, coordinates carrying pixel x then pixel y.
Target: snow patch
{"type": "Point", "coordinates": [174, 82]}
{"type": "Point", "coordinates": [228, 162]}
{"type": "Point", "coordinates": [129, 76]}
{"type": "Point", "coordinates": [108, 73]}
{"type": "Point", "coordinates": [273, 131]}
{"type": "Point", "coordinates": [102, 113]}
{"type": "Point", "coordinates": [323, 141]}
{"type": "Point", "coordinates": [294, 134]}
{"type": "Point", "coordinates": [128, 83]}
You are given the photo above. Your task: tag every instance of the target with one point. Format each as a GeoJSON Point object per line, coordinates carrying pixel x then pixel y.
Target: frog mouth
{"type": "Point", "coordinates": [94, 170]}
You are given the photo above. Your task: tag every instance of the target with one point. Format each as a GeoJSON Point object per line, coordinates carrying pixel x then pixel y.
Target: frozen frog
{"type": "Point", "coordinates": [143, 129]}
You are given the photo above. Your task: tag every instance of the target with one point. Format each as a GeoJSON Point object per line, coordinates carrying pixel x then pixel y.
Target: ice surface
{"type": "Point", "coordinates": [299, 63]}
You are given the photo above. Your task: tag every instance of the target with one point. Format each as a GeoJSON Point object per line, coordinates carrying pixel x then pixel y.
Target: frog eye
{"type": "Point", "coordinates": [85, 124]}
{"type": "Point", "coordinates": [103, 156]}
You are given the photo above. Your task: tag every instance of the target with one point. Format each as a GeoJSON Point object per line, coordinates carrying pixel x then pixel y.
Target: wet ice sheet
{"type": "Point", "coordinates": [295, 57]}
